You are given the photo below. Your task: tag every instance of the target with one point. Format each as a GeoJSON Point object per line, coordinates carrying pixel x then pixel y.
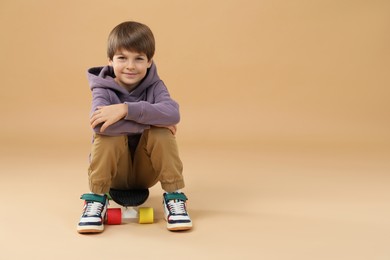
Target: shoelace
{"type": "Point", "coordinates": [177, 207]}
{"type": "Point", "coordinates": [93, 209]}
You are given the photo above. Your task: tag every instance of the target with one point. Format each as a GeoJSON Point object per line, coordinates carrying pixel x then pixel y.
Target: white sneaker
{"type": "Point", "coordinates": [94, 213]}
{"type": "Point", "coordinates": [176, 212]}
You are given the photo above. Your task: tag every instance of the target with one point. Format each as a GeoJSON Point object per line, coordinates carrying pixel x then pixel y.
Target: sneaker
{"type": "Point", "coordinates": [94, 213]}
{"type": "Point", "coordinates": [175, 211]}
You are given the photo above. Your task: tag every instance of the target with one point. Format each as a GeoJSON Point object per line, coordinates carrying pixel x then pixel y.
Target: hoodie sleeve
{"type": "Point", "coordinates": [101, 97]}
{"type": "Point", "coordinates": [163, 112]}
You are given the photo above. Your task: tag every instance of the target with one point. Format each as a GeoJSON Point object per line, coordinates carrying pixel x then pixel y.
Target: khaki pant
{"type": "Point", "coordinates": [156, 159]}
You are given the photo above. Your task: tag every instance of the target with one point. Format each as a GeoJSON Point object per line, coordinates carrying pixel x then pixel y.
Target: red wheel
{"type": "Point", "coordinates": [114, 216]}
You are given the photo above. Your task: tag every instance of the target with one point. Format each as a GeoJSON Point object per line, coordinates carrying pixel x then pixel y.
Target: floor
{"type": "Point", "coordinates": [263, 201]}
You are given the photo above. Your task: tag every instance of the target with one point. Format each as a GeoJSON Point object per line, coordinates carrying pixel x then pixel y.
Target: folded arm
{"type": "Point", "coordinates": [133, 117]}
{"type": "Point", "coordinates": [164, 111]}
{"type": "Point", "coordinates": [108, 119]}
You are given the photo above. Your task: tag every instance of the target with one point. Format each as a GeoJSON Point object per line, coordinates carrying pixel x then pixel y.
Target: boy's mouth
{"type": "Point", "coordinates": [130, 75]}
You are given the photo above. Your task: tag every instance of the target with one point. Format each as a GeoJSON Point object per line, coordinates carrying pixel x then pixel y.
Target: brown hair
{"type": "Point", "coordinates": [131, 36]}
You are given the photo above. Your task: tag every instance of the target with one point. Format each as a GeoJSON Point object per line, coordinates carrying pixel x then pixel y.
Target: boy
{"type": "Point", "coordinates": [134, 120]}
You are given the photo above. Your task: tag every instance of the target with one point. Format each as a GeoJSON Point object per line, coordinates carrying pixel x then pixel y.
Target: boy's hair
{"type": "Point", "coordinates": [131, 36]}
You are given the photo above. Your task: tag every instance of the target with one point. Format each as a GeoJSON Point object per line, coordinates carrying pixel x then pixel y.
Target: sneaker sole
{"type": "Point", "coordinates": [90, 229]}
{"type": "Point", "coordinates": [179, 227]}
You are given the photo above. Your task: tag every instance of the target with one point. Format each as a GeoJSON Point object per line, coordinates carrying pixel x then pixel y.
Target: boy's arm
{"type": "Point", "coordinates": [163, 112]}
{"type": "Point", "coordinates": [108, 115]}
{"type": "Point", "coordinates": [107, 118]}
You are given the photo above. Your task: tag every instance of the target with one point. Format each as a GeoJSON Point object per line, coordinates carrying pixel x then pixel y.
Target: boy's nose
{"type": "Point", "coordinates": [130, 65]}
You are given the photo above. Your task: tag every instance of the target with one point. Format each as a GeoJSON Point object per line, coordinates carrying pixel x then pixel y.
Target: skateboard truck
{"type": "Point", "coordinates": [129, 199]}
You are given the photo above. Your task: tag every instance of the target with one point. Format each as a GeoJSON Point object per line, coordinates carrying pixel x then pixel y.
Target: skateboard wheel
{"type": "Point", "coordinates": [114, 216]}
{"type": "Point", "coordinates": [146, 215]}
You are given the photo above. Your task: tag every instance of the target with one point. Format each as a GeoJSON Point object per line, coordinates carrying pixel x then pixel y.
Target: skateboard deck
{"type": "Point", "coordinates": [129, 200]}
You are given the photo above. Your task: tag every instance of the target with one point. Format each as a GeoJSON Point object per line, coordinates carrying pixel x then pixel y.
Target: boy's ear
{"type": "Point", "coordinates": [150, 62]}
{"type": "Point", "coordinates": [110, 62]}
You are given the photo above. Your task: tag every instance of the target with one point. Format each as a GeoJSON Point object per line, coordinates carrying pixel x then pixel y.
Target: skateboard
{"type": "Point", "coordinates": [129, 200]}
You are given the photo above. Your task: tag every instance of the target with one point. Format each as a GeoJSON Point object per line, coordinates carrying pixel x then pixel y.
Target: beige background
{"type": "Point", "coordinates": [284, 133]}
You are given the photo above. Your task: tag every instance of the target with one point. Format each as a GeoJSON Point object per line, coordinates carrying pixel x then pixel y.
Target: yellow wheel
{"type": "Point", "coordinates": [146, 215]}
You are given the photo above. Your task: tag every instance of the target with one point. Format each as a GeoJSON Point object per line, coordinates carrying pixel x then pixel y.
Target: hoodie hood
{"type": "Point", "coordinates": [104, 77]}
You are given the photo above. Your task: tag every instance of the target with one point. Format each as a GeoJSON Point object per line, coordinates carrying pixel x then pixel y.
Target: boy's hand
{"type": "Point", "coordinates": [173, 129]}
{"type": "Point", "coordinates": [108, 115]}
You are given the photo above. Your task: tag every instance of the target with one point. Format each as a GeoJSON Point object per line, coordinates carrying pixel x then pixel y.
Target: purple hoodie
{"type": "Point", "coordinates": [148, 104]}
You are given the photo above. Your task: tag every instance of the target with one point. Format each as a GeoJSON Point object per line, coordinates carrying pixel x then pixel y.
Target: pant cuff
{"type": "Point", "coordinates": [99, 189]}
{"type": "Point", "coordinates": [171, 187]}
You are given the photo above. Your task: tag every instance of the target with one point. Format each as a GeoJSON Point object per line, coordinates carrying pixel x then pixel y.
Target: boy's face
{"type": "Point", "coordinates": [129, 68]}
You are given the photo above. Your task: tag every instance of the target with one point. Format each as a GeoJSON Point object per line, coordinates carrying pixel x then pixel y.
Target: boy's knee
{"type": "Point", "coordinates": [160, 134]}
{"type": "Point", "coordinates": [160, 131]}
